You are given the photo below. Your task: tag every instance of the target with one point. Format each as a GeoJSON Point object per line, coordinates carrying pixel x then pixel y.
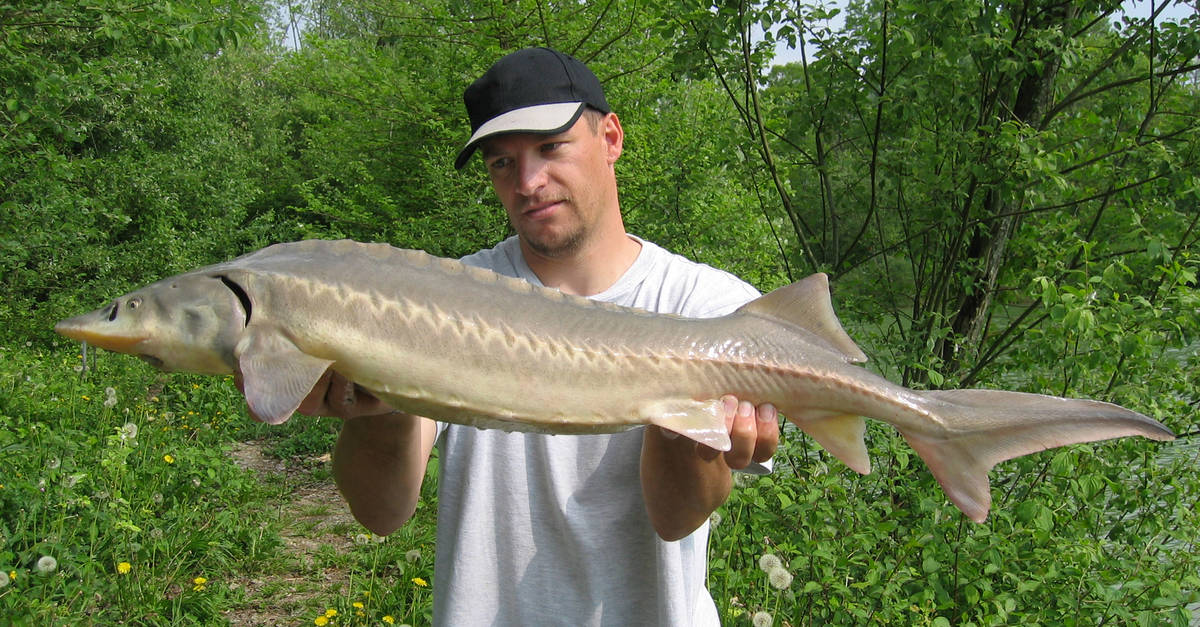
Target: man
{"type": "Point", "coordinates": [536, 529]}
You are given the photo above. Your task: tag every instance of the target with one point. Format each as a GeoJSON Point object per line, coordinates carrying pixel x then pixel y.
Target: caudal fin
{"type": "Point", "coordinates": [985, 427]}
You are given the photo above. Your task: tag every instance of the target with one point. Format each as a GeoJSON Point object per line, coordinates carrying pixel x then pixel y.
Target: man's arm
{"type": "Point", "coordinates": [684, 482]}
{"type": "Point", "coordinates": [379, 463]}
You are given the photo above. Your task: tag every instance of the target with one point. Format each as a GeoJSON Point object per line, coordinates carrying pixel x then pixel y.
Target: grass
{"type": "Point", "coordinates": [160, 502]}
{"type": "Point", "coordinates": [126, 480]}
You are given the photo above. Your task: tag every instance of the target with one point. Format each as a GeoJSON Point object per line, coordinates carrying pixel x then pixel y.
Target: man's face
{"type": "Point", "coordinates": [556, 188]}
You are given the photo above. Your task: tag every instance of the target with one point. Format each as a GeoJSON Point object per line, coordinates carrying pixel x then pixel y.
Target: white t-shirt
{"type": "Point", "coordinates": [552, 530]}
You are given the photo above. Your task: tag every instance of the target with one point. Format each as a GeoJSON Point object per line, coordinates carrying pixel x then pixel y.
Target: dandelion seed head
{"type": "Point", "coordinates": [129, 431]}
{"type": "Point", "coordinates": [54, 463]}
{"type": "Point", "coordinates": [769, 562]}
{"type": "Point", "coordinates": [412, 555]}
{"type": "Point", "coordinates": [4, 579]}
{"type": "Point", "coordinates": [46, 565]}
{"type": "Point", "coordinates": [78, 368]}
{"type": "Point", "coordinates": [779, 578]}
{"type": "Point", "coordinates": [110, 401]}
{"type": "Point", "coordinates": [762, 619]}
{"type": "Point", "coordinates": [714, 519]}
{"type": "Point", "coordinates": [361, 539]}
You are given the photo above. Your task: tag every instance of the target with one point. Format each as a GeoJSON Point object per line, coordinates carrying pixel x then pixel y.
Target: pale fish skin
{"type": "Point", "coordinates": [437, 338]}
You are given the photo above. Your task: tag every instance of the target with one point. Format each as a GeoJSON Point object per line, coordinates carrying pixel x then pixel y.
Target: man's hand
{"type": "Point", "coordinates": [684, 481]}
{"type": "Point", "coordinates": [753, 433]}
{"type": "Point", "coordinates": [335, 396]}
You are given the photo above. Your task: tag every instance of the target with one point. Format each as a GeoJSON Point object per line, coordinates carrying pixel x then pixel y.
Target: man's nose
{"type": "Point", "coordinates": [531, 175]}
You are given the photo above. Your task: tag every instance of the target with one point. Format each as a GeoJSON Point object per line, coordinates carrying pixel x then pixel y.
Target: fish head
{"type": "Point", "coordinates": [187, 323]}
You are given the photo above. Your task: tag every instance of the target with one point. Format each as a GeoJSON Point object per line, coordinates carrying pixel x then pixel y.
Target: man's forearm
{"type": "Point", "coordinates": [681, 489]}
{"type": "Point", "coordinates": [379, 464]}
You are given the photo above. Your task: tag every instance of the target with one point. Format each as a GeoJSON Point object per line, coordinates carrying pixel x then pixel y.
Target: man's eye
{"type": "Point", "coordinates": [498, 164]}
{"type": "Point", "coordinates": [551, 146]}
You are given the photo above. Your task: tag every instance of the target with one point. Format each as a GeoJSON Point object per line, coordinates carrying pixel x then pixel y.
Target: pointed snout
{"type": "Point", "coordinates": [96, 329]}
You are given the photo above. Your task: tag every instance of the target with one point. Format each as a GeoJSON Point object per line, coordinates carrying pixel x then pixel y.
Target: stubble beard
{"type": "Point", "coordinates": [557, 246]}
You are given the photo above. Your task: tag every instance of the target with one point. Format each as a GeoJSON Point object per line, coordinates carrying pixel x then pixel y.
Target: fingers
{"type": "Point", "coordinates": [753, 432]}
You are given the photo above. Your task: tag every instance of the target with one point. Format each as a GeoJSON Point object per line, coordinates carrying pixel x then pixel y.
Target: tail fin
{"type": "Point", "coordinates": [985, 427]}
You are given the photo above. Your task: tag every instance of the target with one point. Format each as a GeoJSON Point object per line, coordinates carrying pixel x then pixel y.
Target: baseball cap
{"type": "Point", "coordinates": [535, 90]}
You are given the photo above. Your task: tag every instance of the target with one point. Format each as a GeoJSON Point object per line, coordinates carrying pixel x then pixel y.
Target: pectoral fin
{"type": "Point", "coordinates": [277, 375]}
{"type": "Point", "coordinates": [702, 421]}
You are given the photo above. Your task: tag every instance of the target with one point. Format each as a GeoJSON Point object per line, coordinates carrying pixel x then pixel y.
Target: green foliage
{"type": "Point", "coordinates": [117, 467]}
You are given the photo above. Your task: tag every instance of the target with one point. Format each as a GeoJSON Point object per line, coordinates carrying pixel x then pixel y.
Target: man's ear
{"type": "Point", "coordinates": [614, 137]}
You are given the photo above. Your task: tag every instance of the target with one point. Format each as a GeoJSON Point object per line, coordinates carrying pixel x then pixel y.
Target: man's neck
{"type": "Point", "coordinates": [588, 271]}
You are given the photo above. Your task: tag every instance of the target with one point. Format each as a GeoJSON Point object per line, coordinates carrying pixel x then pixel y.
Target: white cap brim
{"type": "Point", "coordinates": [545, 118]}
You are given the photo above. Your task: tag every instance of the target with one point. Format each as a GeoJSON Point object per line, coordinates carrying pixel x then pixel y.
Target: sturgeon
{"type": "Point", "coordinates": [438, 338]}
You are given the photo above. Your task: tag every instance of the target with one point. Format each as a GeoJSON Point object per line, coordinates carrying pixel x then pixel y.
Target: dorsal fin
{"type": "Point", "coordinates": [806, 304]}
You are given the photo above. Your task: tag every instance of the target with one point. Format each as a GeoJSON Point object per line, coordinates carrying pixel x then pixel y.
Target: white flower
{"type": "Point", "coordinates": [762, 619]}
{"type": "Point", "coordinates": [769, 562]}
{"type": "Point", "coordinates": [46, 565]}
{"type": "Point", "coordinates": [779, 578]}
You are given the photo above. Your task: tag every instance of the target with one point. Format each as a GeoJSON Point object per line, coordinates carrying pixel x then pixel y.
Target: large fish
{"type": "Point", "coordinates": [440, 339]}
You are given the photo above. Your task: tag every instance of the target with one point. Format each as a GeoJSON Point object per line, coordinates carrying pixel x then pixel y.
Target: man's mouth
{"type": "Point", "coordinates": [537, 210]}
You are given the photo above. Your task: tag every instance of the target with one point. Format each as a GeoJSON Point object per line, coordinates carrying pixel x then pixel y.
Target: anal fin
{"type": "Point", "coordinates": [702, 421]}
{"type": "Point", "coordinates": [840, 434]}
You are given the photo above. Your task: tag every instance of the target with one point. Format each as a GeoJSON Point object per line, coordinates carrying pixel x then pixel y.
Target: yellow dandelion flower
{"type": "Point", "coordinates": [330, 613]}
{"type": "Point", "coordinates": [169, 459]}
{"type": "Point", "coordinates": [199, 583]}
{"type": "Point", "coordinates": [320, 620]}
{"type": "Point", "coordinates": [124, 568]}
{"type": "Point", "coordinates": [85, 397]}
{"type": "Point", "coordinates": [357, 605]}
{"type": "Point", "coordinates": [12, 574]}
{"type": "Point", "coordinates": [389, 620]}
{"type": "Point", "coordinates": [420, 582]}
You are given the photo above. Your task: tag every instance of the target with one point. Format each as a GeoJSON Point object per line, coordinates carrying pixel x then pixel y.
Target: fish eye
{"type": "Point", "coordinates": [134, 303]}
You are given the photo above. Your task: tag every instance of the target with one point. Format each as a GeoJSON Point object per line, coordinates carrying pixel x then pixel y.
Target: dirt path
{"type": "Point", "coordinates": [315, 520]}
